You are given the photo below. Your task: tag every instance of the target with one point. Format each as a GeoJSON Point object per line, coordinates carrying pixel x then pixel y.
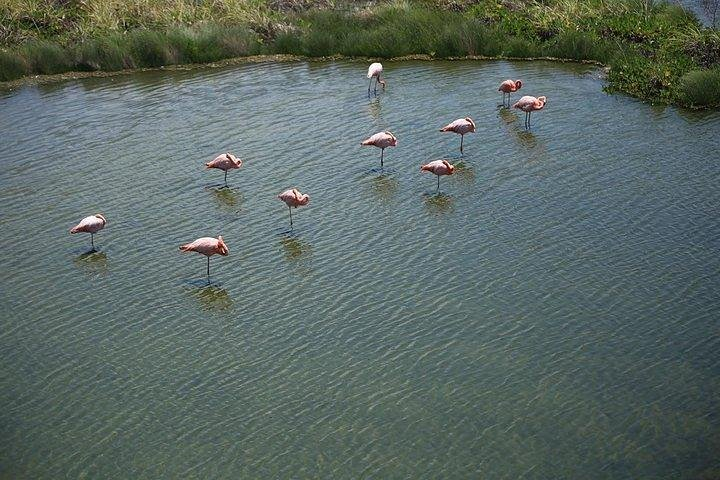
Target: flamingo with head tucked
{"type": "Point", "coordinates": [509, 86]}
{"type": "Point", "coordinates": [293, 199]}
{"type": "Point", "coordinates": [374, 71]}
{"type": "Point", "coordinates": [207, 246]}
{"type": "Point", "coordinates": [530, 104]}
{"type": "Point", "coordinates": [91, 225]}
{"type": "Point", "coordinates": [225, 162]}
{"type": "Point", "coordinates": [461, 126]}
{"type": "Point", "coordinates": [439, 168]}
{"type": "Point", "coordinates": [382, 140]}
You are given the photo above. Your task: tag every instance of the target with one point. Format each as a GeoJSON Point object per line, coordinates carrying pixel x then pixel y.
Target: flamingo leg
{"type": "Point", "coordinates": [226, 178]}
{"type": "Point", "coordinates": [291, 224]}
{"type": "Point", "coordinates": [462, 137]}
{"type": "Point", "coordinates": [376, 82]}
{"type": "Point", "coordinates": [529, 120]}
{"type": "Point", "coordinates": [438, 187]}
{"type": "Point", "coordinates": [369, 85]}
{"type": "Point", "coordinates": [382, 154]}
{"type": "Point", "coordinates": [92, 240]}
{"type": "Point", "coordinates": [208, 270]}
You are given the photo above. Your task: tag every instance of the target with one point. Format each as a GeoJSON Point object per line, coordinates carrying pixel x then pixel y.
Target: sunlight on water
{"type": "Point", "coordinates": [550, 312]}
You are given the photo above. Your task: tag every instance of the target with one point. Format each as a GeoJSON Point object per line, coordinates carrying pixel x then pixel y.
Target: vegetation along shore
{"type": "Point", "coordinates": [655, 51]}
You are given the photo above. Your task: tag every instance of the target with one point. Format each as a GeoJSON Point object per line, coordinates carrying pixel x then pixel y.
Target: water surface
{"type": "Point", "coordinates": [552, 313]}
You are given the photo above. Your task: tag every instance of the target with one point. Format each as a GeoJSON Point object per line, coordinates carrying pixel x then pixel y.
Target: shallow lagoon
{"type": "Point", "coordinates": [552, 314]}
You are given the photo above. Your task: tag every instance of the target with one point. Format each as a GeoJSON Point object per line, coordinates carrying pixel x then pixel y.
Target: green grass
{"type": "Point", "coordinates": [655, 51]}
{"type": "Point", "coordinates": [12, 66]}
{"type": "Point", "coordinates": [701, 88]}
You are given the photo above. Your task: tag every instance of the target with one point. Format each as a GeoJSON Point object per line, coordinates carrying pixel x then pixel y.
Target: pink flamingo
{"type": "Point", "coordinates": [91, 225]}
{"type": "Point", "coordinates": [208, 246]}
{"type": "Point", "coordinates": [507, 87]}
{"type": "Point", "coordinates": [382, 140]}
{"type": "Point", "coordinates": [374, 71]}
{"type": "Point", "coordinates": [461, 126]}
{"type": "Point", "coordinates": [438, 167]}
{"type": "Point", "coordinates": [225, 162]}
{"type": "Point", "coordinates": [530, 104]}
{"type": "Point", "coordinates": [293, 198]}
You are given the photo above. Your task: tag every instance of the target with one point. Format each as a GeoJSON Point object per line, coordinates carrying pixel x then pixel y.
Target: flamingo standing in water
{"type": "Point", "coordinates": [207, 246]}
{"type": "Point", "coordinates": [530, 104]}
{"type": "Point", "coordinates": [507, 87]}
{"type": "Point", "coordinates": [382, 140]}
{"type": "Point", "coordinates": [461, 126]}
{"type": "Point", "coordinates": [438, 167]}
{"type": "Point", "coordinates": [225, 162]}
{"type": "Point", "coordinates": [293, 198]}
{"type": "Point", "coordinates": [374, 71]}
{"type": "Point", "coordinates": [91, 225]}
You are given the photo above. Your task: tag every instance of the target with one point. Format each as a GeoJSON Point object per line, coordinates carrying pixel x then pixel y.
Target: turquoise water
{"type": "Point", "coordinates": [552, 313]}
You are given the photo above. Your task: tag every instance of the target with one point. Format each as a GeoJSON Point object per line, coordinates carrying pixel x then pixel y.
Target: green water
{"type": "Point", "coordinates": [553, 313]}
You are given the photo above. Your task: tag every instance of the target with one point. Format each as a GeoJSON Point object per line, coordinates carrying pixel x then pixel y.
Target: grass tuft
{"type": "Point", "coordinates": [12, 66]}
{"type": "Point", "coordinates": [46, 57]}
{"type": "Point", "coordinates": [701, 88]}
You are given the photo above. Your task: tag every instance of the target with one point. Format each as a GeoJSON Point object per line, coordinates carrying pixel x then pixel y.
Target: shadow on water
{"type": "Point", "coordinates": [212, 297]}
{"type": "Point", "coordinates": [438, 203]}
{"type": "Point", "coordinates": [464, 173]}
{"type": "Point", "coordinates": [92, 262]}
{"type": "Point", "coordinates": [294, 248]}
{"type": "Point", "coordinates": [375, 108]}
{"type": "Point", "coordinates": [514, 123]}
{"type": "Point", "coordinates": [384, 187]}
{"type": "Point", "coordinates": [507, 116]}
{"type": "Point", "coordinates": [227, 197]}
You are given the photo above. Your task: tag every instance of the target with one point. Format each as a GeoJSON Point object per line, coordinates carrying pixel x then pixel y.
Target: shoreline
{"type": "Point", "coordinates": [30, 80]}
{"type": "Point", "coordinates": [660, 55]}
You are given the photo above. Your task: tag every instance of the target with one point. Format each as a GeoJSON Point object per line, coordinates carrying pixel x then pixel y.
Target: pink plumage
{"type": "Point", "coordinates": [293, 198]}
{"type": "Point", "coordinates": [530, 104]}
{"type": "Point", "coordinates": [375, 71]}
{"type": "Point", "coordinates": [461, 126]}
{"type": "Point", "coordinates": [91, 224]}
{"type": "Point", "coordinates": [438, 167]}
{"type": "Point", "coordinates": [207, 246]}
{"type": "Point", "coordinates": [225, 162]}
{"type": "Point", "coordinates": [381, 140]}
{"type": "Point", "coordinates": [509, 86]}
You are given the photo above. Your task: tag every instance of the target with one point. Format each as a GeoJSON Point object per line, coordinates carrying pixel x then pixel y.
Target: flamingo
{"type": "Point", "coordinates": [438, 167]}
{"type": "Point", "coordinates": [225, 162]}
{"type": "Point", "coordinates": [208, 246]}
{"type": "Point", "coordinates": [293, 198]}
{"type": "Point", "coordinates": [382, 140]}
{"type": "Point", "coordinates": [460, 126]}
{"type": "Point", "coordinates": [530, 104]}
{"type": "Point", "coordinates": [374, 71]}
{"type": "Point", "coordinates": [507, 87]}
{"type": "Point", "coordinates": [91, 225]}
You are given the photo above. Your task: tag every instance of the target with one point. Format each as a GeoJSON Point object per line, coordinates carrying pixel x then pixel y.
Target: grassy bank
{"type": "Point", "coordinates": [656, 52]}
